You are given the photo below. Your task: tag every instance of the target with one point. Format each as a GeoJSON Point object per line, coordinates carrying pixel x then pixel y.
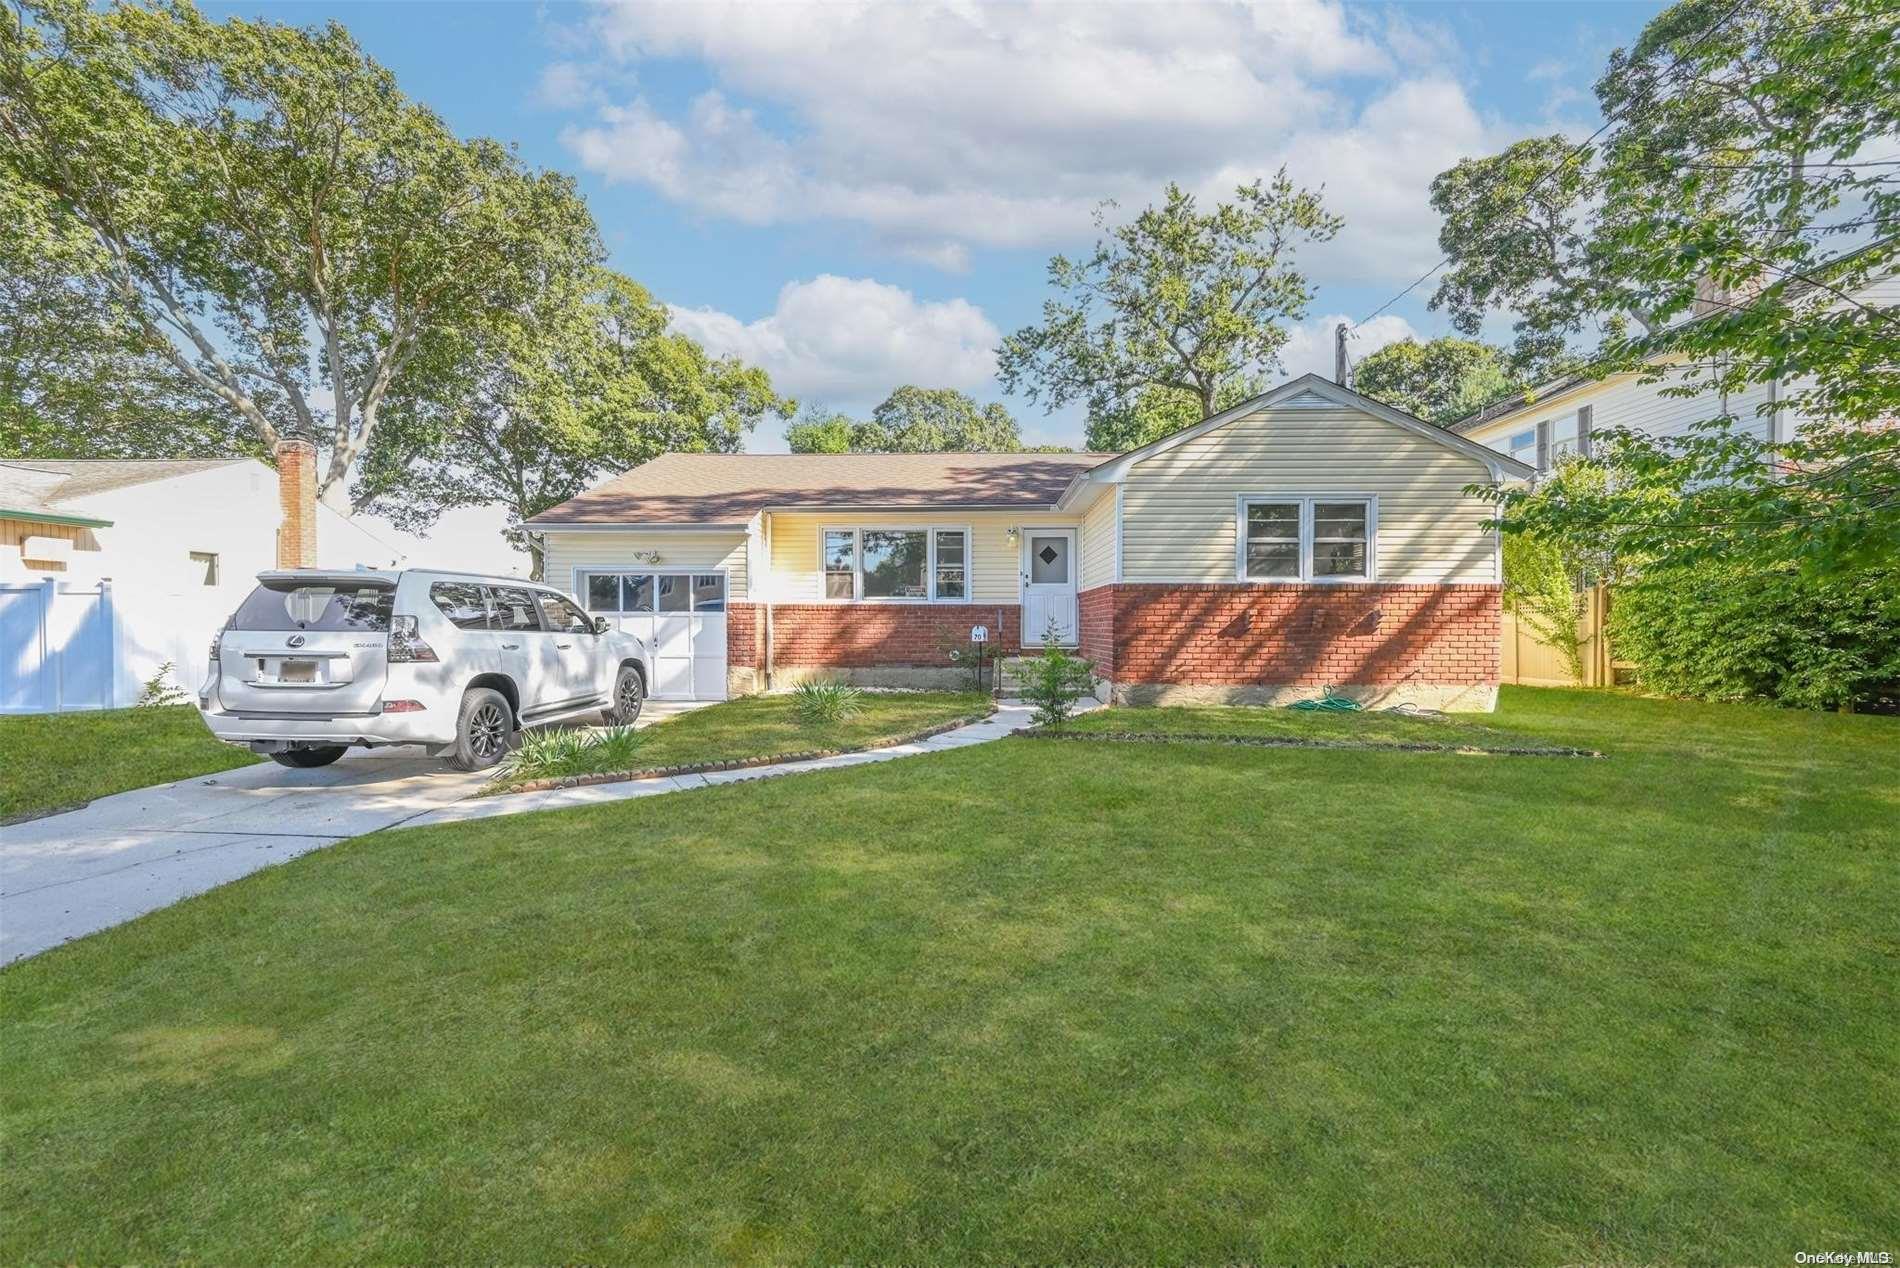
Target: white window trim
{"type": "Point", "coordinates": [1306, 501]}
{"type": "Point", "coordinates": [929, 531]}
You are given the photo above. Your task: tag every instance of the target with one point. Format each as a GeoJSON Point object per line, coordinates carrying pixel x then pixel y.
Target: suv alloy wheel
{"type": "Point", "coordinates": [482, 730]}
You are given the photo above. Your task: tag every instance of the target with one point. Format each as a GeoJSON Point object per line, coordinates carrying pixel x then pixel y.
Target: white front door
{"type": "Point", "coordinates": [1049, 585]}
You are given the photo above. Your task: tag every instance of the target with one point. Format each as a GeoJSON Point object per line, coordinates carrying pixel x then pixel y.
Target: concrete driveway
{"type": "Point", "coordinates": [122, 856]}
{"type": "Point", "coordinates": [135, 852]}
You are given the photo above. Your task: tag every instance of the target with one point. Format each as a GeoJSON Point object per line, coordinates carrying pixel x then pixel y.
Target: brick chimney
{"type": "Point", "coordinates": [297, 498]}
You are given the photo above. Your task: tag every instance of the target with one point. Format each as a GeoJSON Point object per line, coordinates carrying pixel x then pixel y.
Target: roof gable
{"type": "Point", "coordinates": [1309, 391]}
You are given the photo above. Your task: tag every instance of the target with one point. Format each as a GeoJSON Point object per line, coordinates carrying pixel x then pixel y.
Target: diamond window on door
{"type": "Point", "coordinates": [1049, 561]}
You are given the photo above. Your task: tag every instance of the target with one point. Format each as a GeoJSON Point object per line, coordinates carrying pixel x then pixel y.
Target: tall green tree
{"type": "Point", "coordinates": [1745, 177]}
{"type": "Point", "coordinates": [589, 381]}
{"type": "Point", "coordinates": [1746, 197]}
{"type": "Point", "coordinates": [821, 430]}
{"type": "Point", "coordinates": [1159, 411]}
{"type": "Point", "coordinates": [1176, 300]}
{"type": "Point", "coordinates": [79, 380]}
{"type": "Point", "coordinates": [1440, 380]}
{"type": "Point", "coordinates": [278, 221]}
{"type": "Point", "coordinates": [911, 420]}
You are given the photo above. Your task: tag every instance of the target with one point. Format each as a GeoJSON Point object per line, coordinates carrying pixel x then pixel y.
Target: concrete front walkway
{"type": "Point", "coordinates": [1006, 719]}
{"type": "Point", "coordinates": [72, 874]}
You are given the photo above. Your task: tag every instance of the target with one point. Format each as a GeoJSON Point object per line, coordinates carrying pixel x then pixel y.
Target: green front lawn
{"type": "Point", "coordinates": [1474, 730]}
{"type": "Point", "coordinates": [764, 726]}
{"type": "Point", "coordinates": [53, 761]}
{"type": "Point", "coordinates": [1022, 1001]}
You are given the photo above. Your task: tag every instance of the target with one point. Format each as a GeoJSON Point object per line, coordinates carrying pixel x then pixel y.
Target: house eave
{"type": "Point", "coordinates": [47, 517]}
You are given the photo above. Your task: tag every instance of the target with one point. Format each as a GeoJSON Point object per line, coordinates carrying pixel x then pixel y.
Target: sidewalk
{"type": "Point", "coordinates": [1007, 718]}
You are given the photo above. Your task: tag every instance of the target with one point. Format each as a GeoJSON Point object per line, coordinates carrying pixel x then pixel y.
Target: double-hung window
{"type": "Point", "coordinates": [1300, 538]}
{"type": "Point", "coordinates": [896, 565]}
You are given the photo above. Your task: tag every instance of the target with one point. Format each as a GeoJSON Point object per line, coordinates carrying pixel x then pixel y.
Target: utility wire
{"type": "Point", "coordinates": [1566, 161]}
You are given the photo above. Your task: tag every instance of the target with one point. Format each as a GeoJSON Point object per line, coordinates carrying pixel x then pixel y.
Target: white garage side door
{"type": "Point", "coordinates": [680, 616]}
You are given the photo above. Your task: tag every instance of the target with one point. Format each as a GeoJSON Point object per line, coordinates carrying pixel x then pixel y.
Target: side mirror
{"type": "Point", "coordinates": [602, 625]}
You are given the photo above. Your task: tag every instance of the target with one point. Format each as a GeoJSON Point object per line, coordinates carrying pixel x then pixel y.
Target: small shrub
{"type": "Point", "coordinates": [825, 703]}
{"type": "Point", "coordinates": [1054, 681]}
{"type": "Point", "coordinates": [557, 753]}
{"type": "Point", "coordinates": [161, 689]}
{"type": "Point", "coordinates": [977, 660]}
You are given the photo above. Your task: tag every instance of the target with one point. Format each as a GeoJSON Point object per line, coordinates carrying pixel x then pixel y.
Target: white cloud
{"type": "Point", "coordinates": [846, 342]}
{"type": "Point", "coordinates": [568, 86]}
{"type": "Point", "coordinates": [942, 127]}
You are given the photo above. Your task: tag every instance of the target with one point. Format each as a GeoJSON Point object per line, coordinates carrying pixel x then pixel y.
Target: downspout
{"type": "Point", "coordinates": [768, 588]}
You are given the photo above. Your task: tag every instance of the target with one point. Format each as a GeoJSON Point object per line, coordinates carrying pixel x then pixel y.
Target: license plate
{"type": "Point", "coordinates": [297, 671]}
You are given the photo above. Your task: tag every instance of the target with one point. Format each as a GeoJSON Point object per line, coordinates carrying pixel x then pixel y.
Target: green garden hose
{"type": "Point", "coordinates": [1331, 702]}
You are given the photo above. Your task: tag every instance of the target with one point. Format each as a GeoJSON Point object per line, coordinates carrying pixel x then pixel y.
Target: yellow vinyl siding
{"type": "Point", "coordinates": [678, 551]}
{"type": "Point", "coordinates": [1098, 541]}
{"type": "Point", "coordinates": [995, 564]}
{"type": "Point", "coordinates": [1179, 522]}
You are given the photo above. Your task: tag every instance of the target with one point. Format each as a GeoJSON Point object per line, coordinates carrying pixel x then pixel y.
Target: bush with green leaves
{"type": "Point", "coordinates": [561, 751]}
{"type": "Point", "coordinates": [161, 689]}
{"type": "Point", "coordinates": [822, 703]}
{"type": "Point", "coordinates": [1738, 632]}
{"type": "Point", "coordinates": [1055, 681]}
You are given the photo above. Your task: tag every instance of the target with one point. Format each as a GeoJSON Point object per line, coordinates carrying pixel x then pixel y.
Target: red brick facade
{"type": "Point", "coordinates": [880, 635]}
{"type": "Point", "coordinates": [745, 636]}
{"type": "Point", "coordinates": [1293, 635]}
{"type": "Point", "coordinates": [1096, 614]}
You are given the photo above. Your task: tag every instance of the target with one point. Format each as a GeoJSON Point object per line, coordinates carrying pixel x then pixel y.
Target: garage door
{"type": "Point", "coordinates": [680, 616]}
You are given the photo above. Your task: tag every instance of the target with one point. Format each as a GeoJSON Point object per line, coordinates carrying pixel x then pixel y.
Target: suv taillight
{"type": "Point", "coordinates": [215, 640]}
{"type": "Point", "coordinates": [405, 642]}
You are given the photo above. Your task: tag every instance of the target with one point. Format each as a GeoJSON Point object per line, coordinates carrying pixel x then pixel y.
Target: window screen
{"type": "Point", "coordinates": [952, 556]}
{"type": "Point", "coordinates": [840, 563]}
{"type": "Point", "coordinates": [1339, 539]}
{"type": "Point", "coordinates": [1273, 539]}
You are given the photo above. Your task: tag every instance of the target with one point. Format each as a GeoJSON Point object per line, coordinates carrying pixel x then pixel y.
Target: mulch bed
{"type": "Point", "coordinates": [1293, 741]}
{"type": "Point", "coordinates": [737, 763]}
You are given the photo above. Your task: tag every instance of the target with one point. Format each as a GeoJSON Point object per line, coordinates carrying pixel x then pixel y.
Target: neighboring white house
{"type": "Point", "coordinates": [1558, 418]}
{"type": "Point", "coordinates": [177, 545]}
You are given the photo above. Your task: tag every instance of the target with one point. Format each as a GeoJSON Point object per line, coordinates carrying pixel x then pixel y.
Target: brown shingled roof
{"type": "Point", "coordinates": [711, 488]}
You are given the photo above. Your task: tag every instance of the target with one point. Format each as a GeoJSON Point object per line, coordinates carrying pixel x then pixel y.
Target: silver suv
{"type": "Point", "coordinates": [314, 662]}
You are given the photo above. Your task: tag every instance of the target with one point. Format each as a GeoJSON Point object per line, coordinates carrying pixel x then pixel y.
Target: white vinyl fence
{"type": "Point", "coordinates": [85, 644]}
{"type": "Point", "coordinates": [58, 646]}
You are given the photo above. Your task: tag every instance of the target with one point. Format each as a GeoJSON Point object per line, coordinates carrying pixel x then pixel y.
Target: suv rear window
{"type": "Point", "coordinates": [322, 605]}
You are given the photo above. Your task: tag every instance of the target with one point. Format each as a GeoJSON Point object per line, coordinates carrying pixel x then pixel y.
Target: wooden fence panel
{"type": "Point", "coordinates": [1531, 662]}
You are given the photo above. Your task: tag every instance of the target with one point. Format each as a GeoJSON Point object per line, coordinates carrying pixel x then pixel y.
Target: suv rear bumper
{"type": "Point", "coordinates": [424, 727]}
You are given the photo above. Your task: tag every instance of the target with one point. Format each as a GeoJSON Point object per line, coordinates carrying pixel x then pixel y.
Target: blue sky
{"type": "Point", "coordinates": [858, 196]}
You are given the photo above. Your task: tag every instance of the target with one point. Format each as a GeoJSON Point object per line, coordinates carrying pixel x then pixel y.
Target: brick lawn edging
{"type": "Point", "coordinates": [1294, 741]}
{"type": "Point", "coordinates": [736, 763]}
